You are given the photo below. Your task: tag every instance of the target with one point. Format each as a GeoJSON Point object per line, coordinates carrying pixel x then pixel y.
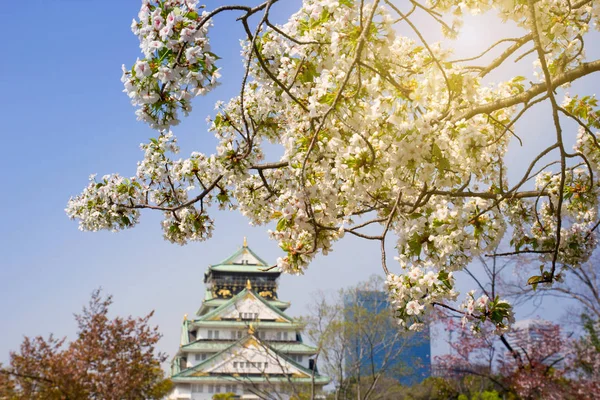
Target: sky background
{"type": "Point", "coordinates": [64, 116]}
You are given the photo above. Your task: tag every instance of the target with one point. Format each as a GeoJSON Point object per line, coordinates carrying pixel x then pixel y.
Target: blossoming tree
{"type": "Point", "coordinates": [377, 129]}
{"type": "Point", "coordinates": [551, 364]}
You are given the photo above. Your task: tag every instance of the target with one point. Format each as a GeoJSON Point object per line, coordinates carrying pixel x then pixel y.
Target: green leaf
{"type": "Point", "coordinates": [415, 245]}
{"type": "Point", "coordinates": [534, 280]}
{"type": "Point", "coordinates": [222, 197]}
{"type": "Point", "coordinates": [309, 72]}
{"type": "Point", "coordinates": [197, 225]}
{"type": "Point", "coordinates": [442, 162]}
{"type": "Point", "coordinates": [327, 99]}
{"type": "Point", "coordinates": [281, 224]}
{"type": "Point", "coordinates": [455, 82]}
{"type": "Point", "coordinates": [444, 276]}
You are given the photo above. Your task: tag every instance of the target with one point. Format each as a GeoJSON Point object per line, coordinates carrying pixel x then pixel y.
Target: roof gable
{"type": "Point", "coordinates": [246, 302]}
{"type": "Point", "coordinates": [249, 355]}
{"type": "Point", "coordinates": [244, 256]}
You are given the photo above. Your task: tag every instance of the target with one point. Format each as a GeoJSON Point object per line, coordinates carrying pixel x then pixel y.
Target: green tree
{"type": "Point", "coordinates": [225, 396]}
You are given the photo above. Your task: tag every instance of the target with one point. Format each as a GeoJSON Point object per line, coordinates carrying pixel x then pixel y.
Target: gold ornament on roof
{"type": "Point", "coordinates": [245, 242]}
{"type": "Point", "coordinates": [249, 285]}
{"type": "Point", "coordinates": [185, 317]}
{"type": "Point", "coordinates": [251, 329]}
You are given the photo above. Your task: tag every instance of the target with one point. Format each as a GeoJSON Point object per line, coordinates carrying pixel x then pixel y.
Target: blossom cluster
{"type": "Point", "coordinates": [100, 204]}
{"type": "Point", "coordinates": [114, 202]}
{"type": "Point", "coordinates": [411, 295]}
{"type": "Point", "coordinates": [177, 65]}
{"type": "Point", "coordinates": [477, 311]}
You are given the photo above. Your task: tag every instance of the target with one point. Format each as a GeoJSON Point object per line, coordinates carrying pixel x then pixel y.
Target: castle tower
{"type": "Point", "coordinates": [241, 341]}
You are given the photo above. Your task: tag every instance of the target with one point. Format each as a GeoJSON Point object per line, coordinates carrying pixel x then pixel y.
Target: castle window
{"type": "Point", "coordinates": [197, 357]}
{"type": "Point", "coordinates": [285, 336]}
{"type": "Point", "coordinates": [210, 388]}
{"type": "Point", "coordinates": [210, 334]}
{"type": "Point", "coordinates": [296, 357]}
{"type": "Point", "coordinates": [216, 334]}
{"type": "Point", "coordinates": [197, 388]}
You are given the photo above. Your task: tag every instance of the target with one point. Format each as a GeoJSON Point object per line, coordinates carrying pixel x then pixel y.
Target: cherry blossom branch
{"type": "Point", "coordinates": [584, 69]}
{"type": "Point", "coordinates": [188, 203]}
{"type": "Point", "coordinates": [559, 141]}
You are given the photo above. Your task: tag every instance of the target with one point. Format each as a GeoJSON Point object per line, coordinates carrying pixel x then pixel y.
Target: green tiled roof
{"type": "Point", "coordinates": [210, 346]}
{"type": "Point", "coordinates": [242, 268]}
{"type": "Point", "coordinates": [218, 302]}
{"type": "Point", "coordinates": [319, 379]}
{"type": "Point", "coordinates": [244, 253]}
{"type": "Point", "coordinates": [237, 297]}
{"type": "Point", "coordinates": [293, 347]}
{"type": "Point", "coordinates": [244, 260]}
{"type": "Point", "coordinates": [244, 324]}
{"type": "Point", "coordinates": [187, 373]}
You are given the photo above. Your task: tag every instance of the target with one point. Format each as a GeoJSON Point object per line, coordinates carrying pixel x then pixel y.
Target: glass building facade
{"type": "Point", "coordinates": [376, 342]}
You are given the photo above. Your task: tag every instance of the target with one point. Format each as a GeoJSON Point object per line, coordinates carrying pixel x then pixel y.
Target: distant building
{"type": "Point", "coordinates": [527, 335]}
{"type": "Point", "coordinates": [405, 357]}
{"type": "Point", "coordinates": [241, 341]}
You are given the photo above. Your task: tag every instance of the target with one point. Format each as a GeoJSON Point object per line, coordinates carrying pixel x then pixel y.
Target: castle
{"type": "Point", "coordinates": [241, 341]}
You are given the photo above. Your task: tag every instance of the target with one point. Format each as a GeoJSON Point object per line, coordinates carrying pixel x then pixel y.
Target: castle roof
{"type": "Point", "coordinates": [247, 294]}
{"type": "Point", "coordinates": [217, 346]}
{"type": "Point", "coordinates": [220, 364]}
{"type": "Point", "coordinates": [215, 302]}
{"type": "Point", "coordinates": [244, 260]}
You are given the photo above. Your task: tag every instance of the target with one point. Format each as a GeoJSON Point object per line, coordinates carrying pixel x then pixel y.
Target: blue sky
{"type": "Point", "coordinates": [64, 117]}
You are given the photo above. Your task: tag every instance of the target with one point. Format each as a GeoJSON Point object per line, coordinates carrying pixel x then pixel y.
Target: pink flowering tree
{"type": "Point", "coordinates": [376, 129]}
{"type": "Point", "coordinates": [549, 365]}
